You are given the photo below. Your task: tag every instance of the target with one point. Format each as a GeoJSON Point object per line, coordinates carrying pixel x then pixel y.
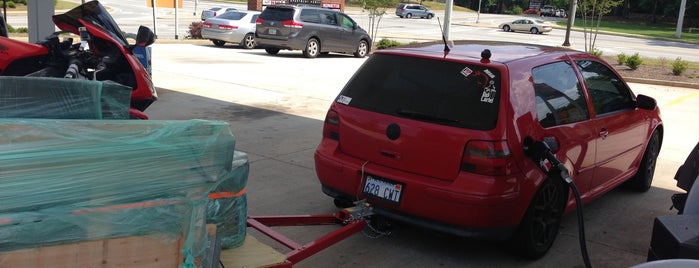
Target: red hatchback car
{"type": "Point", "coordinates": [436, 138]}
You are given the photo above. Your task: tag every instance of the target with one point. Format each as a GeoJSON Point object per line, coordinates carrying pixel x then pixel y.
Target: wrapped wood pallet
{"type": "Point", "coordinates": [98, 184]}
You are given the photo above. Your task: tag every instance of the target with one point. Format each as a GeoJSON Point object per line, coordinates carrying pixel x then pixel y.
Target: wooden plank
{"type": "Point", "coordinates": [252, 253]}
{"type": "Point", "coordinates": [153, 251]}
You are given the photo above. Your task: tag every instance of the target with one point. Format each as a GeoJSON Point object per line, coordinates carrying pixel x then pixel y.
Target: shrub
{"type": "Point", "coordinates": [10, 29]}
{"type": "Point", "coordinates": [596, 52]}
{"type": "Point", "coordinates": [679, 66]}
{"type": "Point", "coordinates": [621, 58]}
{"type": "Point", "coordinates": [387, 43]}
{"type": "Point", "coordinates": [634, 61]}
{"type": "Point", "coordinates": [517, 10]}
{"type": "Point", "coordinates": [11, 4]}
{"type": "Point", "coordinates": [22, 30]}
{"type": "Point", "coordinates": [195, 30]}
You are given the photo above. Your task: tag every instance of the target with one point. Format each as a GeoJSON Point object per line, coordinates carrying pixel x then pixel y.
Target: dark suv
{"type": "Point", "coordinates": [442, 139]}
{"type": "Point", "coordinates": [313, 30]}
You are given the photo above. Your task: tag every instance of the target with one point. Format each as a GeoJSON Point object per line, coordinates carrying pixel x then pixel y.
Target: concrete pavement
{"type": "Point", "coordinates": [276, 106]}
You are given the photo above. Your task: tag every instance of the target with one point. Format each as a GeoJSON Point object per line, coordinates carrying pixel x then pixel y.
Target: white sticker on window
{"type": "Point", "coordinates": [489, 93]}
{"type": "Point", "coordinates": [489, 73]}
{"type": "Point", "coordinates": [466, 72]}
{"type": "Point", "coordinates": [343, 99]}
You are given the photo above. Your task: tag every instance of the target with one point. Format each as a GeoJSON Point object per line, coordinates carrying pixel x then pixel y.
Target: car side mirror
{"type": "Point", "coordinates": [645, 102]}
{"type": "Point", "coordinates": [145, 36]}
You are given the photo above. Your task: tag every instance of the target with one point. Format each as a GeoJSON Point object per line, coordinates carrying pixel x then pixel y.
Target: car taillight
{"type": "Point", "coordinates": [292, 24]}
{"type": "Point", "coordinates": [259, 20]}
{"type": "Point", "coordinates": [227, 27]}
{"type": "Point", "coordinates": [207, 24]}
{"type": "Point", "coordinates": [487, 158]}
{"type": "Point", "coordinates": [331, 128]}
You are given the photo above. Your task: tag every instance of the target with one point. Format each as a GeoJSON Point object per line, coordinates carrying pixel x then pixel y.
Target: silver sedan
{"type": "Point", "coordinates": [237, 27]}
{"type": "Point", "coordinates": [528, 25]}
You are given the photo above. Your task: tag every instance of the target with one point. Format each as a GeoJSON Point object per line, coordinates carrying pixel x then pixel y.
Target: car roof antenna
{"type": "Point", "coordinates": [444, 38]}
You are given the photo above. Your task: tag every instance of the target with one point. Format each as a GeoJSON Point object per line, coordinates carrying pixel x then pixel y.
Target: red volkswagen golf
{"type": "Point", "coordinates": [436, 138]}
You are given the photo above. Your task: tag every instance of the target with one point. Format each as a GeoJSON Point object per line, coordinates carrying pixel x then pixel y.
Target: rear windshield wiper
{"type": "Point", "coordinates": [424, 116]}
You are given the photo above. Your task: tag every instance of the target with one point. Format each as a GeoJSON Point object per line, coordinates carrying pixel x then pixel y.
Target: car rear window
{"type": "Point", "coordinates": [437, 91]}
{"type": "Point", "coordinates": [232, 15]}
{"type": "Point", "coordinates": [277, 14]}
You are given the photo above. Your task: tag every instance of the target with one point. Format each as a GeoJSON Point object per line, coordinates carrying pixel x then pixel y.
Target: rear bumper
{"type": "Point", "coordinates": [290, 43]}
{"type": "Point", "coordinates": [459, 207]}
{"type": "Point", "coordinates": [228, 36]}
{"type": "Point", "coordinates": [493, 233]}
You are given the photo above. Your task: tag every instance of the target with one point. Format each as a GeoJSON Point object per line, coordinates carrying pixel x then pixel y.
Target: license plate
{"type": "Point", "coordinates": [272, 31]}
{"type": "Point", "coordinates": [383, 189]}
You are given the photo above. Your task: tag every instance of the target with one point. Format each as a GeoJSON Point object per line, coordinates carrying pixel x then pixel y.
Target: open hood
{"type": "Point", "coordinates": [91, 12]}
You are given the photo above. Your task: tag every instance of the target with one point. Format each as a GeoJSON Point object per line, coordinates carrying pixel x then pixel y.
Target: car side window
{"type": "Point", "coordinates": [310, 15]}
{"type": "Point", "coordinates": [254, 18]}
{"type": "Point", "coordinates": [559, 95]}
{"type": "Point", "coordinates": [607, 91]}
{"type": "Point", "coordinates": [345, 21]}
{"type": "Point", "coordinates": [328, 18]}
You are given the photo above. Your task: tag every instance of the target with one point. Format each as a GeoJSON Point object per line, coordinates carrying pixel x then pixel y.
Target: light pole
{"type": "Point", "coordinates": [571, 21]}
{"type": "Point", "coordinates": [478, 15]}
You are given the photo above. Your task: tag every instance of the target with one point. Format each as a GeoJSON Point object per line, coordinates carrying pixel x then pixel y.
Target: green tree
{"type": "Point", "coordinates": [376, 9]}
{"type": "Point", "coordinates": [593, 10]}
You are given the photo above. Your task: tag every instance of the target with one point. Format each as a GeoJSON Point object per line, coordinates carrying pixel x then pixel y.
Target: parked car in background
{"type": "Point", "coordinates": [547, 11]}
{"type": "Point", "coordinates": [237, 27]}
{"type": "Point", "coordinates": [215, 11]}
{"type": "Point", "coordinates": [528, 25]}
{"type": "Point", "coordinates": [561, 13]}
{"type": "Point", "coordinates": [405, 10]}
{"type": "Point", "coordinates": [313, 30]}
{"type": "Point", "coordinates": [443, 139]}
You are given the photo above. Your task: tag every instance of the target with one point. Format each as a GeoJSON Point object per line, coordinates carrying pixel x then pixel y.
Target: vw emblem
{"type": "Point", "coordinates": [393, 131]}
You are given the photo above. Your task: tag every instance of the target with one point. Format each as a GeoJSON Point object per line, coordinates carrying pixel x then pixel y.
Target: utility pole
{"type": "Point", "coordinates": [571, 21]}
{"type": "Point", "coordinates": [680, 19]}
{"type": "Point", "coordinates": [447, 18]}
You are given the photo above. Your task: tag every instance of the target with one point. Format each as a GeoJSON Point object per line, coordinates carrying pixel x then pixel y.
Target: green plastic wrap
{"type": "Point", "coordinates": [64, 181]}
{"type": "Point", "coordinates": [61, 98]}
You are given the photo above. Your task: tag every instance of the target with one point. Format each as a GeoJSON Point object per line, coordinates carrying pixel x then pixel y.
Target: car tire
{"type": "Point", "coordinates": [506, 28]}
{"type": "Point", "coordinates": [312, 48]}
{"type": "Point", "coordinates": [534, 30]}
{"type": "Point", "coordinates": [539, 226]}
{"type": "Point", "coordinates": [429, 16]}
{"type": "Point", "coordinates": [362, 49]}
{"type": "Point", "coordinates": [272, 51]}
{"type": "Point", "coordinates": [408, 15]}
{"type": "Point", "coordinates": [400, 17]}
{"type": "Point", "coordinates": [248, 41]}
{"type": "Point", "coordinates": [643, 179]}
{"type": "Point", "coordinates": [218, 43]}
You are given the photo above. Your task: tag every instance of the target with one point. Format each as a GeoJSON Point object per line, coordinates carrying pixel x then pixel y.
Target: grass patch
{"type": "Point", "coordinates": [639, 28]}
{"type": "Point", "coordinates": [60, 5]}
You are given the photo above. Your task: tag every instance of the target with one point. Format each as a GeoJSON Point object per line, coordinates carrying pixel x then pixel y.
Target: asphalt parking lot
{"type": "Point", "coordinates": [276, 105]}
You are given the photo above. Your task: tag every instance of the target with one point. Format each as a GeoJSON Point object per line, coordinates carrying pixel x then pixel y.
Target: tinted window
{"type": "Point", "coordinates": [559, 95]}
{"type": "Point", "coordinates": [310, 15]}
{"type": "Point", "coordinates": [437, 91]}
{"type": "Point", "coordinates": [278, 14]}
{"type": "Point", "coordinates": [254, 18]}
{"type": "Point", "coordinates": [607, 91]}
{"type": "Point", "coordinates": [328, 17]}
{"type": "Point", "coordinates": [232, 15]}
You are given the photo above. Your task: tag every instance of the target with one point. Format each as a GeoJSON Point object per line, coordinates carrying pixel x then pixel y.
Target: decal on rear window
{"type": "Point", "coordinates": [489, 92]}
{"type": "Point", "coordinates": [466, 71]}
{"type": "Point", "coordinates": [344, 99]}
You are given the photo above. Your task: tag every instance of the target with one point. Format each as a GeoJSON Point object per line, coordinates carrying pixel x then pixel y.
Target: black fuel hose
{"type": "Point", "coordinates": [539, 149]}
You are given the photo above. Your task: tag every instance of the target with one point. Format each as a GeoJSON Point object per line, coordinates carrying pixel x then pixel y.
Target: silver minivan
{"type": "Point", "coordinates": [404, 10]}
{"type": "Point", "coordinates": [313, 30]}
